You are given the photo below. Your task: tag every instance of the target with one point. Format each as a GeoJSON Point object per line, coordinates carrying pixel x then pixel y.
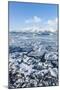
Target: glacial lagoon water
{"type": "Point", "coordinates": [33, 59]}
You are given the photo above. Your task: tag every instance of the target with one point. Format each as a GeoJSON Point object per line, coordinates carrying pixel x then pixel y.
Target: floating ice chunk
{"type": "Point", "coordinates": [24, 67]}
{"type": "Point", "coordinates": [11, 60]}
{"type": "Point", "coordinates": [51, 56]}
{"type": "Point", "coordinates": [26, 58]}
{"type": "Point", "coordinates": [53, 72]}
{"type": "Point", "coordinates": [45, 71]}
{"type": "Point", "coordinates": [36, 54]}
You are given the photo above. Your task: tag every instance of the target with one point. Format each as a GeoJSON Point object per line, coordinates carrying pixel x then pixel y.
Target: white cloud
{"type": "Point", "coordinates": [34, 19]}
{"type": "Point", "coordinates": [36, 24]}
{"type": "Point", "coordinates": [53, 24]}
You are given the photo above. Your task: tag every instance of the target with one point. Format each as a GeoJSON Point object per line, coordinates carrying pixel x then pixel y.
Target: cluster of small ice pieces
{"type": "Point", "coordinates": [35, 66]}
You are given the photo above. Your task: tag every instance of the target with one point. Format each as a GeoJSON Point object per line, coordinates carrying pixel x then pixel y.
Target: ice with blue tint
{"type": "Point", "coordinates": [33, 59]}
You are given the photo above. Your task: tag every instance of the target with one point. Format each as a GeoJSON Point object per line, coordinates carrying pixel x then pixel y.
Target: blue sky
{"type": "Point", "coordinates": [28, 15]}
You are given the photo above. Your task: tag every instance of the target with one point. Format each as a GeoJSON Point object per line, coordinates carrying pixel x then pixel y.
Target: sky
{"type": "Point", "coordinates": [32, 16]}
